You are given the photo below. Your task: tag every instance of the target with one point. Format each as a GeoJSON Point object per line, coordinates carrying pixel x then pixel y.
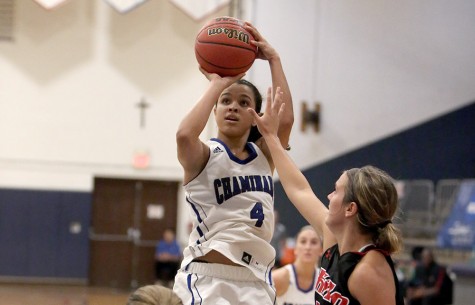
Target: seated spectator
{"type": "Point", "coordinates": [168, 257]}
{"type": "Point", "coordinates": [154, 295]}
{"type": "Point", "coordinates": [430, 284]}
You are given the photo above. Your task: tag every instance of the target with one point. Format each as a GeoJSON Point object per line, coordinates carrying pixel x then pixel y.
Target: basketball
{"type": "Point", "coordinates": [223, 46]}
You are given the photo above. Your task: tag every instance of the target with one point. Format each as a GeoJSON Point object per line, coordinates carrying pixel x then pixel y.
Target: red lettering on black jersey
{"type": "Point", "coordinates": [325, 288]}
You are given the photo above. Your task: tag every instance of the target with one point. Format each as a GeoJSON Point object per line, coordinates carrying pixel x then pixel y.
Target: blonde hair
{"type": "Point", "coordinates": [154, 295]}
{"type": "Point", "coordinates": [373, 191]}
{"type": "Point", "coordinates": [309, 227]}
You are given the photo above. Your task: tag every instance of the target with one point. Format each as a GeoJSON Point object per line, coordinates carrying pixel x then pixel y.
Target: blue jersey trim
{"type": "Point", "coordinates": [250, 149]}
{"type": "Point", "coordinates": [297, 281]}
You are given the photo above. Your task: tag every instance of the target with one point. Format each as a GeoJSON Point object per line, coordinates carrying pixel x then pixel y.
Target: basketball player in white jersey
{"type": "Point", "coordinates": [295, 283]}
{"type": "Point", "coordinates": [229, 188]}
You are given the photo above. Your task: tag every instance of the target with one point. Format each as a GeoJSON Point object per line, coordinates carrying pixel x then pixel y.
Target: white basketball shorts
{"type": "Point", "coordinates": [211, 284]}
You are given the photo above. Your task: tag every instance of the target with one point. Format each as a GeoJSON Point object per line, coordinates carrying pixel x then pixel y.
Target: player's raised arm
{"type": "Point", "coordinates": [192, 152]}
{"type": "Point", "coordinates": [267, 52]}
{"type": "Point", "coordinates": [294, 182]}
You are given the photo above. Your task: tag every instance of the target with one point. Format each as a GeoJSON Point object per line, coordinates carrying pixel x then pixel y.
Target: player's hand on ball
{"type": "Point", "coordinates": [264, 50]}
{"type": "Point", "coordinates": [226, 80]}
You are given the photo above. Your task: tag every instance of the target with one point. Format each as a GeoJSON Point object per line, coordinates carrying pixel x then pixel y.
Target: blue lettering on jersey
{"type": "Point", "coordinates": [228, 187]}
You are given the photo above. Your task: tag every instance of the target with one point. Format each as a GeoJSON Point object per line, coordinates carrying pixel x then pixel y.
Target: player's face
{"type": "Point", "coordinates": [336, 207]}
{"type": "Point", "coordinates": [308, 247]}
{"type": "Point", "coordinates": [231, 113]}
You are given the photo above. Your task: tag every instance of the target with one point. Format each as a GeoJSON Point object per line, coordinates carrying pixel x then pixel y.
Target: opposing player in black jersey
{"type": "Point", "coordinates": [357, 228]}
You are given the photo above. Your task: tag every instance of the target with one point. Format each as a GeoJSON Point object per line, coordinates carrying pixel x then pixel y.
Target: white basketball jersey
{"type": "Point", "coordinates": [232, 208]}
{"type": "Point", "coordinates": [296, 295]}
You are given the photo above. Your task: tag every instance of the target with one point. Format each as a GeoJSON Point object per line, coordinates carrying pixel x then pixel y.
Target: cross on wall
{"type": "Point", "coordinates": [142, 105]}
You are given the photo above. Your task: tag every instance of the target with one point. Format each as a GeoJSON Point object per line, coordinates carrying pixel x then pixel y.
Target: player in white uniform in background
{"type": "Point", "coordinates": [230, 191]}
{"type": "Point", "coordinates": [295, 283]}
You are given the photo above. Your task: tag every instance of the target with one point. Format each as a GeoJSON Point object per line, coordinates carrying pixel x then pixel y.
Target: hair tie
{"type": "Point", "coordinates": [383, 224]}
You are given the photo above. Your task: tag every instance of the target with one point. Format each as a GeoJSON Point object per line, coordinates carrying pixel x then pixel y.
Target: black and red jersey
{"type": "Point", "coordinates": [332, 283]}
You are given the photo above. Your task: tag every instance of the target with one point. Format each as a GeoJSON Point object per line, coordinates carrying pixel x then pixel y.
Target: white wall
{"type": "Point", "coordinates": [70, 82]}
{"type": "Point", "coordinates": [379, 67]}
{"type": "Point", "coordinates": [71, 79]}
{"type": "Point", "coordinates": [69, 85]}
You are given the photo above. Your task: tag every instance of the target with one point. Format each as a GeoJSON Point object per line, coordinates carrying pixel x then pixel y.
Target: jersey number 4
{"type": "Point", "coordinates": [258, 213]}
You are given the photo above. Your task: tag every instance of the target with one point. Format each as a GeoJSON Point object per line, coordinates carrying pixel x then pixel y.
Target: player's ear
{"type": "Point", "coordinates": [351, 209]}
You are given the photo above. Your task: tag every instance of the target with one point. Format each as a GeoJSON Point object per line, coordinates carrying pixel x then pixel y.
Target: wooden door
{"type": "Point", "coordinates": [158, 211]}
{"type": "Point", "coordinates": [128, 219]}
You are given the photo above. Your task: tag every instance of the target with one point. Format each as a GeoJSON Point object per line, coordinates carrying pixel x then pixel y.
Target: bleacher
{"type": "Point", "coordinates": [424, 210]}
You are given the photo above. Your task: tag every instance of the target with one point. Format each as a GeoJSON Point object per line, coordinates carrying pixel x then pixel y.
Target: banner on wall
{"type": "Point", "coordinates": [458, 232]}
{"type": "Point", "coordinates": [199, 10]}
{"type": "Point", "coordinates": [124, 6]}
{"type": "Point", "coordinates": [50, 4]}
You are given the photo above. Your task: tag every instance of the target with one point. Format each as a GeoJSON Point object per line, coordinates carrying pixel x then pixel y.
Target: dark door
{"type": "Point", "coordinates": [128, 219]}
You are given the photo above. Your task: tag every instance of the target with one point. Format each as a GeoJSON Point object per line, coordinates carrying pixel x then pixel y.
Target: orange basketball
{"type": "Point", "coordinates": [223, 46]}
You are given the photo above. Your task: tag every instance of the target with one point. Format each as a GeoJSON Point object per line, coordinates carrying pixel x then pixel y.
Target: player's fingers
{"type": "Point", "coordinates": [277, 99]}
{"type": "Point", "coordinates": [253, 113]}
{"type": "Point", "coordinates": [281, 110]}
{"type": "Point", "coordinates": [238, 77]}
{"type": "Point", "coordinates": [269, 99]}
{"type": "Point", "coordinates": [254, 32]}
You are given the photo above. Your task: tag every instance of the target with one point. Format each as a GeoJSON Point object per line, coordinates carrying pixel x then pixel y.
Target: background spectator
{"type": "Point", "coordinates": [430, 284]}
{"type": "Point", "coordinates": [168, 255]}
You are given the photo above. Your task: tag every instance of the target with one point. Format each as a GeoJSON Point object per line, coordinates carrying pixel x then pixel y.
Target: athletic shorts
{"type": "Point", "coordinates": [211, 284]}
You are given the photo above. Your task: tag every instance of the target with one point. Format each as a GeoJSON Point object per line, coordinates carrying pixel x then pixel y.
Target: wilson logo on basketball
{"type": "Point", "coordinates": [230, 33]}
{"type": "Point", "coordinates": [223, 46]}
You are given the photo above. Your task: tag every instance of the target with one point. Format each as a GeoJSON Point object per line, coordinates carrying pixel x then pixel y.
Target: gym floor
{"type": "Point", "coordinates": [36, 294]}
